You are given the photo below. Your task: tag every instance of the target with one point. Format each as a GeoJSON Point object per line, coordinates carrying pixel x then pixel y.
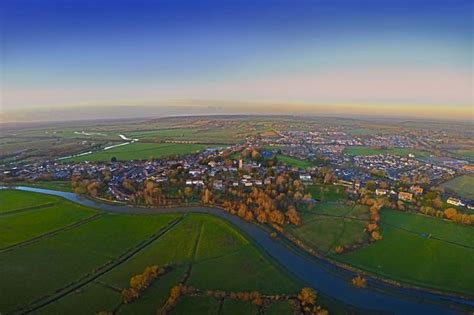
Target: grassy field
{"type": "Point", "coordinates": [362, 151]}
{"type": "Point", "coordinates": [327, 192]}
{"type": "Point", "coordinates": [420, 250]}
{"type": "Point", "coordinates": [13, 200]}
{"type": "Point", "coordinates": [61, 185]}
{"type": "Point", "coordinates": [217, 256]}
{"type": "Point", "coordinates": [332, 224]}
{"type": "Point", "coordinates": [462, 185]}
{"type": "Point", "coordinates": [293, 161]}
{"type": "Point", "coordinates": [465, 154]}
{"type": "Point", "coordinates": [34, 222]}
{"type": "Point", "coordinates": [140, 151]}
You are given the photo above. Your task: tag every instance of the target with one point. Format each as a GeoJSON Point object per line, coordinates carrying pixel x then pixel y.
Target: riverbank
{"type": "Point", "coordinates": [322, 275]}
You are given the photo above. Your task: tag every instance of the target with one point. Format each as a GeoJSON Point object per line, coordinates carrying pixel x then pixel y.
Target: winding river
{"type": "Point", "coordinates": [318, 273]}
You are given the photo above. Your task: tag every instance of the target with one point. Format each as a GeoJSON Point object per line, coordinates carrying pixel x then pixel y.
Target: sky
{"type": "Point", "coordinates": [400, 56]}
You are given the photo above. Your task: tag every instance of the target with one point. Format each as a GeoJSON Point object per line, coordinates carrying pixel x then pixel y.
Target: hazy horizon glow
{"type": "Point", "coordinates": [62, 53]}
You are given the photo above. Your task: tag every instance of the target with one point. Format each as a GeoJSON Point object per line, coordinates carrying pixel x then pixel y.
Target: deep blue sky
{"type": "Point", "coordinates": [74, 51]}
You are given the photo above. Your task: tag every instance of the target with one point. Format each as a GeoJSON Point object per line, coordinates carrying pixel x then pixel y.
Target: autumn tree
{"type": "Point", "coordinates": [450, 213]}
{"type": "Point", "coordinates": [307, 296]}
{"type": "Point", "coordinates": [293, 216]}
{"type": "Point", "coordinates": [359, 282]}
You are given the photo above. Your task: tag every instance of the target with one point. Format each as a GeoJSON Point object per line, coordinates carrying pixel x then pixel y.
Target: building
{"type": "Point", "coordinates": [454, 201]}
{"type": "Point", "coordinates": [345, 183]}
{"type": "Point", "coordinates": [405, 196]}
{"type": "Point", "coordinates": [417, 190]}
{"type": "Point", "coordinates": [381, 192]}
{"type": "Point", "coordinates": [305, 177]}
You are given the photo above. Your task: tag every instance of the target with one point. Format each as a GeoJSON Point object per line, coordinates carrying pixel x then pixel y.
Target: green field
{"type": "Point", "coordinates": [363, 151]}
{"type": "Point", "coordinates": [217, 256]}
{"type": "Point", "coordinates": [140, 151]}
{"type": "Point", "coordinates": [327, 192]}
{"type": "Point", "coordinates": [53, 184]}
{"type": "Point", "coordinates": [462, 185]}
{"type": "Point", "coordinates": [293, 161]}
{"type": "Point", "coordinates": [332, 224]}
{"type": "Point", "coordinates": [465, 154]}
{"type": "Point", "coordinates": [14, 200]}
{"type": "Point", "coordinates": [421, 250]}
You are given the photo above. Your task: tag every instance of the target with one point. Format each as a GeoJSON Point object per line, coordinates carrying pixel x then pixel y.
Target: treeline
{"type": "Point", "coordinates": [372, 228]}
{"type": "Point", "coordinates": [139, 283]}
{"type": "Point", "coordinates": [82, 186]}
{"type": "Point", "coordinates": [304, 303]}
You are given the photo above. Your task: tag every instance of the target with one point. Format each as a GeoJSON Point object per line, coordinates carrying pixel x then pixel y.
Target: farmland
{"type": "Point", "coordinates": [327, 192]}
{"type": "Point", "coordinates": [61, 185]}
{"type": "Point", "coordinates": [332, 224]}
{"type": "Point", "coordinates": [362, 151]}
{"type": "Point", "coordinates": [140, 151]}
{"type": "Point", "coordinates": [211, 252]}
{"type": "Point", "coordinates": [293, 161]}
{"type": "Point", "coordinates": [420, 250]}
{"type": "Point", "coordinates": [462, 186]}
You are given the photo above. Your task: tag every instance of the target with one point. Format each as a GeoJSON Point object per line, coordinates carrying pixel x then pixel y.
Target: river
{"type": "Point", "coordinates": [320, 274]}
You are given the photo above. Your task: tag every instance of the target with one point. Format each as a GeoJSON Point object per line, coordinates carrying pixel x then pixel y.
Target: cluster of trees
{"type": "Point", "coordinates": [251, 153]}
{"type": "Point", "coordinates": [450, 214]}
{"type": "Point", "coordinates": [138, 283]}
{"type": "Point", "coordinates": [307, 299]}
{"type": "Point", "coordinates": [359, 282]}
{"type": "Point", "coordinates": [274, 204]}
{"type": "Point", "coordinates": [151, 195]}
{"type": "Point", "coordinates": [83, 186]}
{"type": "Point", "coordinates": [372, 228]}
{"type": "Point", "coordinates": [325, 176]}
{"type": "Point", "coordinates": [175, 293]}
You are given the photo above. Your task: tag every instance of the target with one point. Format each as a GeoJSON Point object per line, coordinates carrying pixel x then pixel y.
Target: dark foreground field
{"type": "Point", "coordinates": [49, 245]}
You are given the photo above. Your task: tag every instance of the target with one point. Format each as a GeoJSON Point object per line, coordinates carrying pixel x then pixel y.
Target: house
{"type": "Point", "coordinates": [218, 184]}
{"type": "Point", "coordinates": [405, 196]}
{"type": "Point", "coordinates": [454, 201]}
{"type": "Point", "coordinates": [305, 177]}
{"type": "Point", "coordinates": [345, 183]}
{"type": "Point", "coordinates": [417, 190]}
{"type": "Point", "coordinates": [381, 192]}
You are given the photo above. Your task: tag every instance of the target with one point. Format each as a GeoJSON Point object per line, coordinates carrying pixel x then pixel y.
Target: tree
{"type": "Point", "coordinates": [113, 159]}
{"type": "Point", "coordinates": [376, 236]}
{"type": "Point", "coordinates": [256, 155]}
{"type": "Point", "coordinates": [437, 203]}
{"type": "Point", "coordinates": [188, 193]}
{"type": "Point", "coordinates": [206, 196]}
{"type": "Point", "coordinates": [359, 282]}
{"type": "Point", "coordinates": [293, 216]}
{"type": "Point", "coordinates": [450, 213]}
{"type": "Point", "coordinates": [307, 296]}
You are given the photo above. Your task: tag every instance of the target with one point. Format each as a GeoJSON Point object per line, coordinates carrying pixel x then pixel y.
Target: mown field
{"type": "Point", "coordinates": [462, 185]}
{"type": "Point", "coordinates": [293, 161]}
{"type": "Point", "coordinates": [61, 185]}
{"type": "Point", "coordinates": [70, 244]}
{"type": "Point", "coordinates": [420, 250]}
{"type": "Point", "coordinates": [363, 151]}
{"type": "Point", "coordinates": [322, 192]}
{"type": "Point", "coordinates": [332, 224]}
{"type": "Point", "coordinates": [140, 151]}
